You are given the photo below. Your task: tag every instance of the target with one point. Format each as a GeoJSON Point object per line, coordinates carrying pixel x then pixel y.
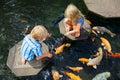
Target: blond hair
{"type": "Point", "coordinates": [39, 31]}
{"type": "Point", "coordinates": [73, 13]}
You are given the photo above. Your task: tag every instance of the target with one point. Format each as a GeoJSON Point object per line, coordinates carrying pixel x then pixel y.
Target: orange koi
{"type": "Point", "coordinates": [60, 49]}
{"type": "Point", "coordinates": [114, 55]}
{"type": "Point", "coordinates": [88, 21]}
{"type": "Point", "coordinates": [106, 44]}
{"type": "Point", "coordinates": [94, 32]}
{"type": "Point", "coordinates": [76, 69]}
{"type": "Point", "coordinates": [83, 60]}
{"type": "Point", "coordinates": [72, 76]}
{"type": "Point", "coordinates": [26, 29]}
{"type": "Point", "coordinates": [55, 74]}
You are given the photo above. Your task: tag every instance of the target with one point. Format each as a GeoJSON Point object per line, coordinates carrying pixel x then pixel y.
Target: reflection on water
{"type": "Point", "coordinates": [15, 15]}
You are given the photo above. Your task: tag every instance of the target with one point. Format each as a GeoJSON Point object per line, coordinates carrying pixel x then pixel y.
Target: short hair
{"type": "Point", "coordinates": [39, 31]}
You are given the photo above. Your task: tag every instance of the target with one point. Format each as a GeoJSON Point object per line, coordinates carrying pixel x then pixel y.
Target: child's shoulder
{"type": "Point", "coordinates": [80, 19]}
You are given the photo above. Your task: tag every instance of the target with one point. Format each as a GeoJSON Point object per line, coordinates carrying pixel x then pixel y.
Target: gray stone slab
{"type": "Point", "coordinates": [105, 8]}
{"type": "Point", "coordinates": [62, 29]}
{"type": "Point", "coordinates": [30, 68]}
{"type": "Point", "coordinates": [83, 32]}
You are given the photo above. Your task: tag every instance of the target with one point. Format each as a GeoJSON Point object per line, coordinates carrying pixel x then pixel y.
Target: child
{"type": "Point", "coordinates": [31, 47]}
{"type": "Point", "coordinates": [75, 23]}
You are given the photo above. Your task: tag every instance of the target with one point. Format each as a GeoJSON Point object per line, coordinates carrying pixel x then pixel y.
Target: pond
{"type": "Point", "coordinates": [15, 15]}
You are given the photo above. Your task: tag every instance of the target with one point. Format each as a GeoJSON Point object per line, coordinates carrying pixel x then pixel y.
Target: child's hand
{"type": "Point", "coordinates": [49, 55]}
{"type": "Point", "coordinates": [23, 61]}
{"type": "Point", "coordinates": [67, 34]}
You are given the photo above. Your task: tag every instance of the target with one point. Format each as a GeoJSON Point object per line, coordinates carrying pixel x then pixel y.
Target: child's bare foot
{"type": "Point", "coordinates": [23, 61]}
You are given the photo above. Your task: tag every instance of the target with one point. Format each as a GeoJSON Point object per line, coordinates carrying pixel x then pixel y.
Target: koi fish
{"type": "Point", "coordinates": [56, 75]}
{"type": "Point", "coordinates": [114, 55]}
{"type": "Point", "coordinates": [60, 49]}
{"type": "Point", "coordinates": [72, 76]}
{"type": "Point", "coordinates": [94, 32]}
{"type": "Point", "coordinates": [76, 69]}
{"type": "Point", "coordinates": [26, 29]}
{"type": "Point", "coordinates": [83, 60]}
{"type": "Point", "coordinates": [95, 61]}
{"type": "Point", "coordinates": [103, 29]}
{"type": "Point", "coordinates": [88, 21]}
{"type": "Point", "coordinates": [106, 44]}
{"type": "Point", "coordinates": [97, 54]}
{"type": "Point", "coordinates": [102, 76]}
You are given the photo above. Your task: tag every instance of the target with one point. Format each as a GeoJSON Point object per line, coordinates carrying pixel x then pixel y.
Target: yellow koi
{"type": "Point", "coordinates": [94, 32]}
{"type": "Point", "coordinates": [72, 76]}
{"type": "Point", "coordinates": [88, 21]}
{"type": "Point", "coordinates": [55, 74]}
{"type": "Point", "coordinates": [83, 60]}
{"type": "Point", "coordinates": [60, 49]}
{"type": "Point", "coordinates": [76, 69]}
{"type": "Point", "coordinates": [106, 44]}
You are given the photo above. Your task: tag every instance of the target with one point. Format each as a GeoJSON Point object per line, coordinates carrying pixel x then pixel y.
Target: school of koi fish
{"type": "Point", "coordinates": [104, 50]}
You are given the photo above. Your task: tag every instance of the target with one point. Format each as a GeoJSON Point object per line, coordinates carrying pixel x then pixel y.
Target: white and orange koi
{"type": "Point", "coordinates": [102, 30]}
{"type": "Point", "coordinates": [97, 54]}
{"type": "Point", "coordinates": [56, 75]}
{"type": "Point", "coordinates": [95, 61]}
{"type": "Point", "coordinates": [94, 32]}
{"type": "Point", "coordinates": [106, 44]}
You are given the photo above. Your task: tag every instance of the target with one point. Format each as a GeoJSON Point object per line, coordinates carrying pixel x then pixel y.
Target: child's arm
{"type": "Point", "coordinates": [43, 56]}
{"type": "Point", "coordinates": [75, 31]}
{"type": "Point", "coordinates": [69, 24]}
{"type": "Point", "coordinates": [70, 32]}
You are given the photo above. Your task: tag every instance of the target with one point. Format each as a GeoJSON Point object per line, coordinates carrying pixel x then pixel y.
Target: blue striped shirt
{"type": "Point", "coordinates": [30, 48]}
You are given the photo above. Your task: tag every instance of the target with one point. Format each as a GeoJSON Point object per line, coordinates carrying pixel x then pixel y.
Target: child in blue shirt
{"type": "Point", "coordinates": [76, 24]}
{"type": "Point", "coordinates": [31, 47]}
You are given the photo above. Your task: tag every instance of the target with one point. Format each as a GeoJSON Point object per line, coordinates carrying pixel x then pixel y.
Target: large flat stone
{"type": "Point", "coordinates": [62, 28]}
{"type": "Point", "coordinates": [105, 8]}
{"type": "Point", "coordinates": [30, 68]}
{"type": "Point", "coordinates": [84, 33]}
